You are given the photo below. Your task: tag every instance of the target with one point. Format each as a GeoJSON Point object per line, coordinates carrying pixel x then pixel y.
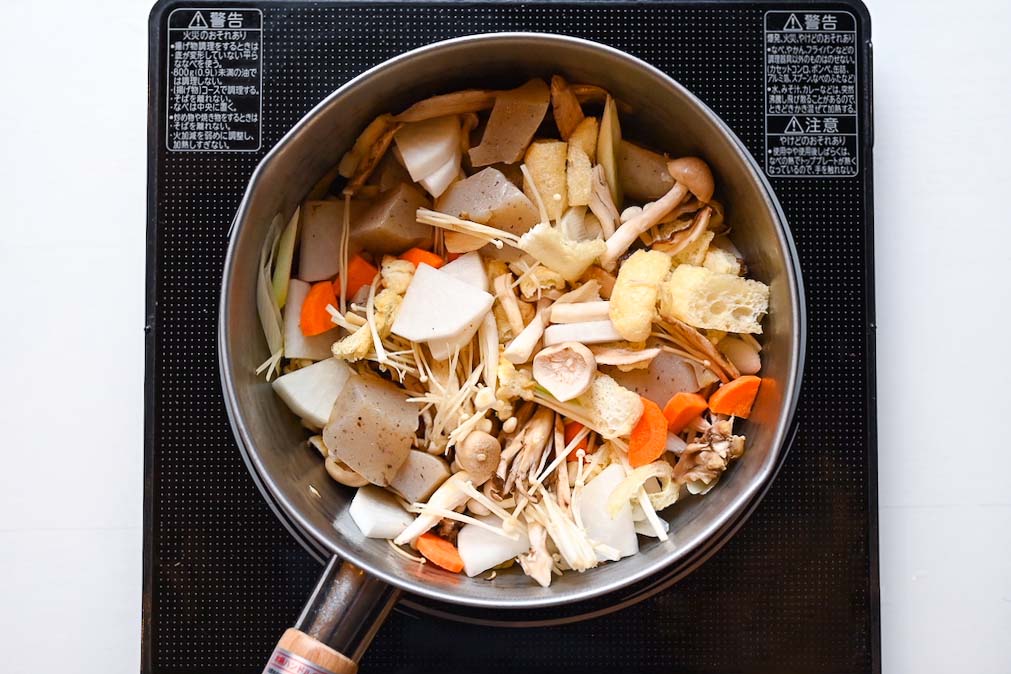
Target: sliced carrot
{"type": "Point", "coordinates": [681, 409]}
{"type": "Point", "coordinates": [440, 552]}
{"type": "Point", "coordinates": [418, 255]}
{"type": "Point", "coordinates": [315, 319]}
{"type": "Point", "coordinates": [360, 274]}
{"type": "Point", "coordinates": [649, 437]}
{"type": "Point", "coordinates": [572, 429]}
{"type": "Point", "coordinates": [735, 398]}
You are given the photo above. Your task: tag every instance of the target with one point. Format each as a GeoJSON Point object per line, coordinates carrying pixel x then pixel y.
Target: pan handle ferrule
{"type": "Point", "coordinates": [347, 608]}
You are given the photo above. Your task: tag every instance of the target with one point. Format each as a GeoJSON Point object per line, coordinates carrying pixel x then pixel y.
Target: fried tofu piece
{"type": "Point", "coordinates": [633, 299]}
{"type": "Point", "coordinates": [546, 161]}
{"type": "Point", "coordinates": [585, 137]}
{"type": "Point", "coordinates": [578, 176]}
{"type": "Point", "coordinates": [710, 300]}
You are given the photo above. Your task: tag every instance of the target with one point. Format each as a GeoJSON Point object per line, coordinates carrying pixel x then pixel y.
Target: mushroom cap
{"type": "Point", "coordinates": [479, 455]}
{"type": "Point", "coordinates": [716, 219]}
{"type": "Point", "coordinates": [343, 474]}
{"type": "Point", "coordinates": [694, 174]}
{"type": "Point", "coordinates": [566, 370]}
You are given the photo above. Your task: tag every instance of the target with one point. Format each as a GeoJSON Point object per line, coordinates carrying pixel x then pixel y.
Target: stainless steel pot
{"type": "Point", "coordinates": [365, 576]}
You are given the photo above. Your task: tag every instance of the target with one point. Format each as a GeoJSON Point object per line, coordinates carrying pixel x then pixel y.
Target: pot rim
{"type": "Point", "coordinates": [301, 526]}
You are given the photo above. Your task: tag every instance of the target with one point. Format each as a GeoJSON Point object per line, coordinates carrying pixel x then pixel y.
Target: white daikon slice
{"type": "Point", "coordinates": [469, 269]}
{"type": "Point", "coordinates": [297, 345]}
{"type": "Point", "coordinates": [310, 392]}
{"type": "Point", "coordinates": [439, 181]}
{"type": "Point", "coordinates": [439, 306]}
{"type": "Point", "coordinates": [666, 375]}
{"type": "Point", "coordinates": [377, 513]}
{"type": "Point", "coordinates": [481, 549]}
{"type": "Point", "coordinates": [427, 146]}
{"type": "Point", "coordinates": [617, 532]}
{"type": "Point", "coordinates": [442, 349]}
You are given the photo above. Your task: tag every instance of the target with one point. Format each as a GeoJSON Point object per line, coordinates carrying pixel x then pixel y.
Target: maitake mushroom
{"type": "Point", "coordinates": [523, 453]}
{"type": "Point", "coordinates": [699, 347]}
{"type": "Point", "coordinates": [537, 562]}
{"type": "Point", "coordinates": [701, 463]}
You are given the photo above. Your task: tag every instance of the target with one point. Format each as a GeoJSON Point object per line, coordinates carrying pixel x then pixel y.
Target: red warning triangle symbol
{"type": "Point", "coordinates": [198, 21]}
{"type": "Point", "coordinates": [793, 23]}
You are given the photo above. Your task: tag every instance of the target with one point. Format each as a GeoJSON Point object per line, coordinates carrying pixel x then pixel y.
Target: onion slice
{"type": "Point", "coordinates": [266, 302]}
{"type": "Point", "coordinates": [628, 488]}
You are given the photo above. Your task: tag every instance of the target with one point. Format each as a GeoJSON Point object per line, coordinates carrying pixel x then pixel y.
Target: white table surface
{"type": "Point", "coordinates": [72, 246]}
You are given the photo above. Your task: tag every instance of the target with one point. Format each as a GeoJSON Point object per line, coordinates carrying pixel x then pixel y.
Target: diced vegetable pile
{"type": "Point", "coordinates": [518, 335]}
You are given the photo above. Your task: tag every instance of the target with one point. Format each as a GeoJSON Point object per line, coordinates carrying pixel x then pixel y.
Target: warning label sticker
{"type": "Point", "coordinates": [811, 94]}
{"type": "Point", "coordinates": [215, 80]}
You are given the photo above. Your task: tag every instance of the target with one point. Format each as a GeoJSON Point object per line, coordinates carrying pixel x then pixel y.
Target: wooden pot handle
{"type": "Point", "coordinates": [337, 624]}
{"type": "Point", "coordinates": [299, 653]}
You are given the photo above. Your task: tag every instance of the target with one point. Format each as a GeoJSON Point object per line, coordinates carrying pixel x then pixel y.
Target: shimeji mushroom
{"type": "Point", "coordinates": [447, 497]}
{"type": "Point", "coordinates": [510, 305]}
{"type": "Point", "coordinates": [479, 455]}
{"type": "Point", "coordinates": [342, 474]}
{"type": "Point", "coordinates": [522, 346]}
{"type": "Point", "coordinates": [338, 470]}
{"type": "Point", "coordinates": [678, 243]}
{"type": "Point", "coordinates": [691, 175]}
{"type": "Point", "coordinates": [742, 354]}
{"type": "Point", "coordinates": [525, 448]}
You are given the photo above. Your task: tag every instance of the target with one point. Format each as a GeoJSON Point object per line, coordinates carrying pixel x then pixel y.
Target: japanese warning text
{"type": "Point", "coordinates": [811, 94]}
{"type": "Point", "coordinates": [215, 80]}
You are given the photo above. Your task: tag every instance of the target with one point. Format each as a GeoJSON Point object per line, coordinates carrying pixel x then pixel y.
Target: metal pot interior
{"type": "Point", "coordinates": [665, 116]}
